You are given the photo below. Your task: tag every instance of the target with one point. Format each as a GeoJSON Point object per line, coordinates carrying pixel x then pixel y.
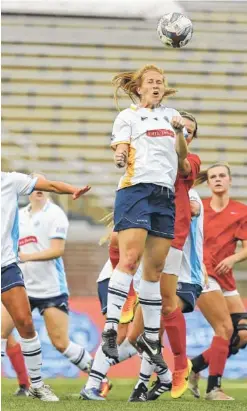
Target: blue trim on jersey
{"type": "Point", "coordinates": [61, 276]}
{"type": "Point", "coordinates": [196, 268]}
{"type": "Point", "coordinates": [33, 186]}
{"type": "Point", "coordinates": [15, 232]}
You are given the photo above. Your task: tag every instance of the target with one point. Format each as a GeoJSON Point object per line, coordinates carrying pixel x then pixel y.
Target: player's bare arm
{"type": "Point", "coordinates": [177, 123]}
{"type": "Point", "coordinates": [228, 263]}
{"type": "Point", "coordinates": [59, 187]}
{"type": "Point", "coordinates": [121, 154]}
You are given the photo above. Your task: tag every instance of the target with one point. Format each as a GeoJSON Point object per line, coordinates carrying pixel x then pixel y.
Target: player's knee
{"type": "Point", "coordinates": [224, 329]}
{"type": "Point", "coordinates": [25, 326]}
{"type": "Point", "coordinates": [59, 343]}
{"type": "Point", "coordinates": [130, 261]}
{"type": "Point", "coordinates": [169, 304]}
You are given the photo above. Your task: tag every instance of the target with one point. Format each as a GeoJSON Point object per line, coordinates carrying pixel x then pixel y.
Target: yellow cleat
{"type": "Point", "coordinates": [180, 381]}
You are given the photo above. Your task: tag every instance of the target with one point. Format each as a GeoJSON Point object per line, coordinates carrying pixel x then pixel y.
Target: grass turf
{"type": "Point", "coordinates": [68, 390]}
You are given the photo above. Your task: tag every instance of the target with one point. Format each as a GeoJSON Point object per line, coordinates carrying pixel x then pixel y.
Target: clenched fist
{"type": "Point", "coordinates": [120, 157]}
{"type": "Point", "coordinates": [177, 123]}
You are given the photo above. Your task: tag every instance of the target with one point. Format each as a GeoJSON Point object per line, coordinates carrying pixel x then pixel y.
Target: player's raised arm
{"type": "Point", "coordinates": [59, 187]}
{"type": "Point", "coordinates": [177, 123]}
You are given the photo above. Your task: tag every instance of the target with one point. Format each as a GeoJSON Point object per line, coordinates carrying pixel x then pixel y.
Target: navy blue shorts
{"type": "Point", "coordinates": [147, 206]}
{"type": "Point", "coordinates": [11, 276]}
{"type": "Point", "coordinates": [189, 293]}
{"type": "Point", "coordinates": [102, 293]}
{"type": "Point", "coordinates": [60, 302]}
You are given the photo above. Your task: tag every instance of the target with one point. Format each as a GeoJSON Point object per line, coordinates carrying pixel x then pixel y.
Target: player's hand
{"type": "Point", "coordinates": [80, 191]}
{"type": "Point", "coordinates": [23, 257]}
{"type": "Point", "coordinates": [225, 265]}
{"type": "Point", "coordinates": [120, 159]}
{"type": "Point", "coordinates": [177, 123]}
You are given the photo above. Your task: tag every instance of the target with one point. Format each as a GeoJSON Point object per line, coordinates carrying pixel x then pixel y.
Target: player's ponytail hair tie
{"type": "Point", "coordinates": [203, 174]}
{"type": "Point", "coordinates": [129, 82]}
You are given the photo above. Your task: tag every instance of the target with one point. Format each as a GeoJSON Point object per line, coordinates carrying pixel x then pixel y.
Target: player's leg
{"type": "Point", "coordinates": [17, 304]}
{"type": "Point", "coordinates": [94, 388]}
{"type": "Point", "coordinates": [131, 245]}
{"type": "Point", "coordinates": [174, 322]}
{"type": "Point", "coordinates": [239, 320]}
{"type": "Point", "coordinates": [214, 308]}
{"type": "Point", "coordinates": [154, 257]}
{"type": "Point", "coordinates": [15, 355]}
{"type": "Point", "coordinates": [187, 295]}
{"type": "Point", "coordinates": [57, 324]}
{"type": "Point", "coordinates": [147, 366]}
{"type": "Point", "coordinates": [130, 204]}
{"type": "Point", "coordinates": [7, 326]}
{"type": "Point", "coordinates": [13, 350]}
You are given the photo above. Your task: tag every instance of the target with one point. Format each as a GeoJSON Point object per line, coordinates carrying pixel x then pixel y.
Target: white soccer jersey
{"type": "Point", "coordinates": [43, 279]}
{"type": "Point", "coordinates": [12, 186]}
{"type": "Point", "coordinates": [192, 261]}
{"type": "Point", "coordinates": [151, 138]}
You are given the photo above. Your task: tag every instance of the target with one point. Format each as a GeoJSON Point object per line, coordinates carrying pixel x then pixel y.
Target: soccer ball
{"type": "Point", "coordinates": [175, 30]}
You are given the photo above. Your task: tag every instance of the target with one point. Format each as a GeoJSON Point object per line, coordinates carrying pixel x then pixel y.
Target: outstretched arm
{"type": "Point", "coordinates": [60, 187]}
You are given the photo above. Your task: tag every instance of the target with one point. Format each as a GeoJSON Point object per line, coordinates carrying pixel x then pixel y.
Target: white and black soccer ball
{"type": "Point", "coordinates": [175, 30]}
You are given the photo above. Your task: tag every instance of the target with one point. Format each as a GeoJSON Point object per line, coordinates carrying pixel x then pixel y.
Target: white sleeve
{"type": "Point", "coordinates": [121, 132]}
{"type": "Point", "coordinates": [194, 196]}
{"type": "Point", "coordinates": [24, 184]}
{"type": "Point", "coordinates": [59, 226]}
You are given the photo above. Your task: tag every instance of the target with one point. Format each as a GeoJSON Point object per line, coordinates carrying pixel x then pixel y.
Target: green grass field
{"type": "Point", "coordinates": [68, 389]}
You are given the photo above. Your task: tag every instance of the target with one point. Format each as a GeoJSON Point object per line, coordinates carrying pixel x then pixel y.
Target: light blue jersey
{"type": "Point", "coordinates": [192, 260]}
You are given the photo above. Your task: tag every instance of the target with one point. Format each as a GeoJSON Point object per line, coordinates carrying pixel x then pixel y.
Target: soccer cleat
{"type": "Point", "coordinates": [152, 349]}
{"type": "Point", "coordinates": [105, 388]}
{"type": "Point", "coordinates": [157, 389]}
{"type": "Point", "coordinates": [109, 344]}
{"type": "Point", "coordinates": [180, 381]}
{"type": "Point", "coordinates": [22, 391]}
{"type": "Point", "coordinates": [193, 384]}
{"type": "Point", "coordinates": [92, 394]}
{"type": "Point", "coordinates": [43, 393]}
{"type": "Point", "coordinates": [218, 395]}
{"type": "Point", "coordinates": [139, 394]}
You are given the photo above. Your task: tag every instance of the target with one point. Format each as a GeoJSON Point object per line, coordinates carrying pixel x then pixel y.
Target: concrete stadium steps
{"type": "Point", "coordinates": [98, 142]}
{"type": "Point", "coordinates": [38, 90]}
{"type": "Point", "coordinates": [58, 114]}
{"type": "Point", "coordinates": [84, 102]}
{"type": "Point", "coordinates": [106, 52]}
{"type": "Point", "coordinates": [57, 96]}
{"type": "Point", "coordinates": [115, 36]}
{"type": "Point", "coordinates": [101, 128]}
{"type": "Point", "coordinates": [236, 156]}
{"type": "Point", "coordinates": [216, 6]}
{"type": "Point", "coordinates": [66, 63]}
{"type": "Point", "coordinates": [218, 18]}
{"type": "Point", "coordinates": [104, 77]}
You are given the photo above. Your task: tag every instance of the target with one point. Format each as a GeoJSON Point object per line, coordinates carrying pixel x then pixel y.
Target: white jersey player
{"type": "Point", "coordinates": [14, 296]}
{"type": "Point", "coordinates": [43, 232]}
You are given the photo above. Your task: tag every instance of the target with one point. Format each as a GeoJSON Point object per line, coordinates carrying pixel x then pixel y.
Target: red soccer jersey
{"type": "Point", "coordinates": [182, 202]}
{"type": "Point", "coordinates": [222, 230]}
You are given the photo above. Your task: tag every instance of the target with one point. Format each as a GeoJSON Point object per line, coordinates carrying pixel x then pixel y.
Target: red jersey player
{"type": "Point", "coordinates": [225, 222]}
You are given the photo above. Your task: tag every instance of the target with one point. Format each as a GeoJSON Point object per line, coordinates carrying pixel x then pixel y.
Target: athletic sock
{"type": "Point", "coordinates": [78, 356]}
{"type": "Point", "coordinates": [150, 300]}
{"type": "Point", "coordinates": [17, 360]}
{"type": "Point", "coordinates": [31, 349]}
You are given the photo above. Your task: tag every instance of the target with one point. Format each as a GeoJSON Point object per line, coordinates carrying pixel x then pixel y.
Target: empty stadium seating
{"type": "Point", "coordinates": [57, 98]}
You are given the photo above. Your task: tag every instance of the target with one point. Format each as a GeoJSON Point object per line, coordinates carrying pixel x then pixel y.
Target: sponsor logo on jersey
{"type": "Point", "coordinates": [60, 230]}
{"type": "Point", "coordinates": [162, 132]}
{"type": "Point", "coordinates": [27, 240]}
